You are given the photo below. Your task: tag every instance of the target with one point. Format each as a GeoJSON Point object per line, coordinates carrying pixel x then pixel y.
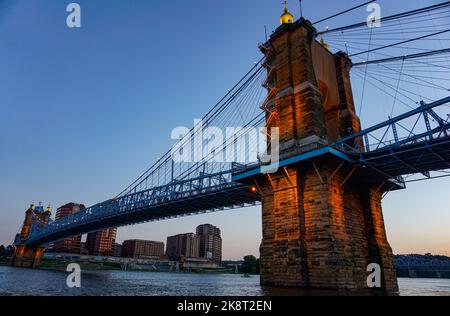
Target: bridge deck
{"type": "Point", "coordinates": [415, 158]}
{"type": "Point", "coordinates": [226, 197]}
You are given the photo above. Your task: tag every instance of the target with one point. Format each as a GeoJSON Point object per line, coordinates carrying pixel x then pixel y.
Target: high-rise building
{"type": "Point", "coordinates": [101, 243]}
{"type": "Point", "coordinates": [182, 246]}
{"type": "Point", "coordinates": [70, 244]}
{"type": "Point", "coordinates": [142, 248]}
{"type": "Point", "coordinates": [83, 249]}
{"type": "Point", "coordinates": [117, 250]}
{"type": "Point", "coordinates": [210, 242]}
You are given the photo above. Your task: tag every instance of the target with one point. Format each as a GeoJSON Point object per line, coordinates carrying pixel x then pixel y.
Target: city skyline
{"type": "Point", "coordinates": [142, 234]}
{"type": "Point", "coordinates": [64, 134]}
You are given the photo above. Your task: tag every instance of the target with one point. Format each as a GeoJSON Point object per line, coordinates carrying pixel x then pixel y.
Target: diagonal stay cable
{"type": "Point", "coordinates": [400, 43]}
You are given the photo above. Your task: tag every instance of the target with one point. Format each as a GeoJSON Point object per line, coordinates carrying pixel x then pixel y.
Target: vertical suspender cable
{"type": "Point", "coordinates": [398, 86]}
{"type": "Point", "coordinates": [365, 74]}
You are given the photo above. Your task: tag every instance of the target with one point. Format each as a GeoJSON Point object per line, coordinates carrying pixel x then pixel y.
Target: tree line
{"type": "Point", "coordinates": [5, 252]}
{"type": "Point", "coordinates": [250, 265]}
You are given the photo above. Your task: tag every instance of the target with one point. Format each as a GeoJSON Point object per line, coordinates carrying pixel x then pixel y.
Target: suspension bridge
{"type": "Point", "coordinates": [308, 96]}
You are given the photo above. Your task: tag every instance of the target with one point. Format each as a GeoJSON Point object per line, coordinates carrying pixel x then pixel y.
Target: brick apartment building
{"type": "Point", "coordinates": [71, 244]}
{"type": "Point", "coordinates": [142, 248]}
{"type": "Point", "coordinates": [101, 243]}
{"type": "Point", "coordinates": [182, 246]}
{"type": "Point", "coordinates": [210, 242]}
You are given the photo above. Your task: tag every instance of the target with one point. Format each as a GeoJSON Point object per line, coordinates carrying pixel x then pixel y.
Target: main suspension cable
{"type": "Point", "coordinates": [389, 18]}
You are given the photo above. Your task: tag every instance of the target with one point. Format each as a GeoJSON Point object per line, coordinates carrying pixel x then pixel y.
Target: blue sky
{"type": "Point", "coordinates": [84, 111]}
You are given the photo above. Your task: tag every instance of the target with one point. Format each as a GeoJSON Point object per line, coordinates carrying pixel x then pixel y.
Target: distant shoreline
{"type": "Point", "coordinates": [55, 265]}
{"type": "Point", "coordinates": [423, 273]}
{"type": "Point", "coordinates": [402, 272]}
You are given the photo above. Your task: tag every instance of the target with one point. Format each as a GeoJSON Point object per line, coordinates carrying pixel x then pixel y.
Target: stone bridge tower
{"type": "Point", "coordinates": [322, 227]}
{"type": "Point", "coordinates": [27, 256]}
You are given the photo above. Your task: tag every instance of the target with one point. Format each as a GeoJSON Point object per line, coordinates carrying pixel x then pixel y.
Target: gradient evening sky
{"type": "Point", "coordinates": [84, 111]}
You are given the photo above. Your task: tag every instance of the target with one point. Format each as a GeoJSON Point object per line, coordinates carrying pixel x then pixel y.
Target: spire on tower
{"type": "Point", "coordinates": [286, 17]}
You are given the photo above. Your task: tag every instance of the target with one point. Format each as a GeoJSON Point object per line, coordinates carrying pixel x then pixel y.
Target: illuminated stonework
{"type": "Point", "coordinates": [322, 226]}
{"type": "Point", "coordinates": [30, 256]}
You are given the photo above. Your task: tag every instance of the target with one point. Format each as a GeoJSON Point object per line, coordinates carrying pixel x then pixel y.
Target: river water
{"type": "Point", "coordinates": [15, 281]}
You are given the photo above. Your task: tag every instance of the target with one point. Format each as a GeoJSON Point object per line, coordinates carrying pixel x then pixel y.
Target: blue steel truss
{"type": "Point", "coordinates": [415, 142]}
{"type": "Point", "coordinates": [377, 138]}
{"type": "Point", "coordinates": [208, 193]}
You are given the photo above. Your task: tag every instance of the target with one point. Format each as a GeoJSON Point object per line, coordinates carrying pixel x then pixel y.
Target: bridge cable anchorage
{"type": "Point", "coordinates": [389, 18]}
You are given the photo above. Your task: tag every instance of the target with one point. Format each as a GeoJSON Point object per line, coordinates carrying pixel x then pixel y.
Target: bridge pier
{"type": "Point", "coordinates": [26, 256]}
{"type": "Point", "coordinates": [318, 233]}
{"type": "Point", "coordinates": [322, 221]}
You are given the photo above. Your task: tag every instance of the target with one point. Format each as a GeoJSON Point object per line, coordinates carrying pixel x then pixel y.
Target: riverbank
{"type": "Point", "coordinates": [57, 265]}
{"type": "Point", "coordinates": [61, 265]}
{"type": "Point", "coordinates": [97, 266]}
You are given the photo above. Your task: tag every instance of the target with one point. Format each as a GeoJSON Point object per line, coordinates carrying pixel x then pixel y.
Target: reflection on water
{"type": "Point", "coordinates": [14, 281]}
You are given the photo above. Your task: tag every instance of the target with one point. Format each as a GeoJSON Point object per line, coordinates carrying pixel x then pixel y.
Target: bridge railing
{"type": "Point", "coordinates": [420, 125]}
{"type": "Point", "coordinates": [174, 191]}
